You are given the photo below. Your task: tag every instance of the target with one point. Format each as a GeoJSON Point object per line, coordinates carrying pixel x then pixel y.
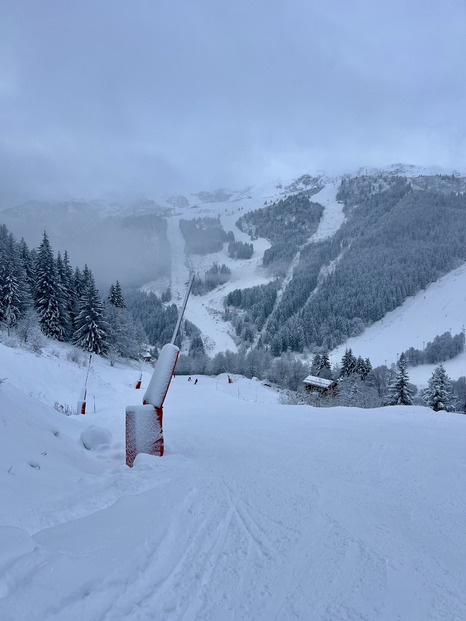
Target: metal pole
{"type": "Point", "coordinates": [183, 308]}
{"type": "Point", "coordinates": [88, 369]}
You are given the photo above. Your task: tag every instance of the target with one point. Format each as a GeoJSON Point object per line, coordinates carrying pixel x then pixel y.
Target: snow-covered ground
{"type": "Point", "coordinates": [438, 309]}
{"type": "Point", "coordinates": [257, 511]}
{"type": "Point", "coordinates": [333, 216]}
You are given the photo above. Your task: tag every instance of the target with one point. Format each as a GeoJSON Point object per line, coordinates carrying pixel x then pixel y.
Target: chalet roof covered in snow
{"type": "Point", "coordinates": [320, 382]}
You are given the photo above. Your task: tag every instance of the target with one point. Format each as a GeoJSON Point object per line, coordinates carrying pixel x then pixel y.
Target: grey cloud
{"type": "Point", "coordinates": [150, 97]}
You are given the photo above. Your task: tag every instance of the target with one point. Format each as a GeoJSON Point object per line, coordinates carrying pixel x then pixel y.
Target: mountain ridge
{"type": "Point", "coordinates": [229, 207]}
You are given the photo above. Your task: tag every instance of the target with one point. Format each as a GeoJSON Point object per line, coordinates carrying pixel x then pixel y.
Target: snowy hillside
{"type": "Point", "coordinates": [418, 320]}
{"type": "Point", "coordinates": [438, 309]}
{"type": "Point", "coordinates": [205, 311]}
{"type": "Point", "coordinates": [257, 511]}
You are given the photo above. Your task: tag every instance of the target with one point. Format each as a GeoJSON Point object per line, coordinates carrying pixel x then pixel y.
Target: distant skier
{"type": "Point", "coordinates": [195, 381]}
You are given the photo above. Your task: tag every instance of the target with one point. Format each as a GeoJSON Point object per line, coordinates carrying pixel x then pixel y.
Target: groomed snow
{"type": "Point", "coordinates": [258, 510]}
{"type": "Point", "coordinates": [439, 308]}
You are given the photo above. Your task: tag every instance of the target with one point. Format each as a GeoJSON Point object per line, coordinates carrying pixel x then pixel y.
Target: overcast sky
{"type": "Point", "coordinates": [152, 96]}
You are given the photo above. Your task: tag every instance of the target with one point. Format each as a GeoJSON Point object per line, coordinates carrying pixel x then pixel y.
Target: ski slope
{"type": "Point", "coordinates": [205, 311]}
{"type": "Point", "coordinates": [439, 308]}
{"type": "Point", "coordinates": [258, 510]}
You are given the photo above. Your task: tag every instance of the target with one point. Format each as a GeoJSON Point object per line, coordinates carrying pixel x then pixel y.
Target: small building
{"type": "Point", "coordinates": [319, 384]}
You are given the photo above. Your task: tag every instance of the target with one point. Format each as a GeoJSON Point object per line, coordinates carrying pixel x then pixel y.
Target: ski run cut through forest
{"type": "Point", "coordinates": [258, 510]}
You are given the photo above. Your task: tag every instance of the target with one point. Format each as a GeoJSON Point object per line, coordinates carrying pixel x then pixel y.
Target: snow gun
{"type": "Point", "coordinates": [144, 432]}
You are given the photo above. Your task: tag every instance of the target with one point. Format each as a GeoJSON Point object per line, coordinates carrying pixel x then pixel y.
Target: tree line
{"type": "Point", "coordinates": [399, 236]}
{"type": "Point", "coordinates": [39, 291]}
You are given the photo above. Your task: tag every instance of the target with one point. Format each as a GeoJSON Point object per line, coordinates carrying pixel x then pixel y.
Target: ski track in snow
{"type": "Point", "coordinates": [257, 510]}
{"type": "Point", "coordinates": [333, 216]}
{"type": "Point", "coordinates": [331, 220]}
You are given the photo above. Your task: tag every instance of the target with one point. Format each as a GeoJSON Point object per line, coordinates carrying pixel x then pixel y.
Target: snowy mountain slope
{"type": "Point", "coordinates": [257, 511]}
{"type": "Point", "coordinates": [438, 309]}
{"type": "Point", "coordinates": [205, 311]}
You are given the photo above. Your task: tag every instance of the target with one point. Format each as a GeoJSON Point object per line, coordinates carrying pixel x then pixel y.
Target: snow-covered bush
{"type": "Point", "coordinates": [77, 357]}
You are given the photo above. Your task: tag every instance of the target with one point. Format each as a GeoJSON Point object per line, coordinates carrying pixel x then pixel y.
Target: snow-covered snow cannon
{"type": "Point", "coordinates": [144, 431]}
{"type": "Point", "coordinates": [139, 382]}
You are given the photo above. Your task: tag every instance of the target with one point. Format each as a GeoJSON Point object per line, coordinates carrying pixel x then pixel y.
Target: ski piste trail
{"type": "Point", "coordinates": [258, 510]}
{"type": "Point", "coordinates": [205, 311]}
{"type": "Point", "coordinates": [331, 220]}
{"type": "Point", "coordinates": [431, 312]}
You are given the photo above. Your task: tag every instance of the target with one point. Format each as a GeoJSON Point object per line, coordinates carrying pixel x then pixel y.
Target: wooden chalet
{"type": "Point", "coordinates": [319, 384]}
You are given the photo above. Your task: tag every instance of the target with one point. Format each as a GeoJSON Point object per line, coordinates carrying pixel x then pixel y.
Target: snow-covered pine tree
{"type": "Point", "coordinates": [67, 293]}
{"type": "Point", "coordinates": [48, 294]}
{"type": "Point", "coordinates": [348, 363]}
{"type": "Point", "coordinates": [115, 296]}
{"type": "Point", "coordinates": [91, 329]}
{"type": "Point", "coordinates": [27, 260]}
{"type": "Point", "coordinates": [14, 291]}
{"type": "Point", "coordinates": [439, 394]}
{"type": "Point", "coordinates": [367, 368]}
{"type": "Point", "coordinates": [125, 336]}
{"type": "Point", "coordinates": [316, 365]}
{"type": "Point", "coordinates": [325, 361]}
{"type": "Point", "coordinates": [399, 392]}
{"type": "Point", "coordinates": [78, 283]}
{"type": "Point", "coordinates": [321, 366]}
{"type": "Point", "coordinates": [67, 278]}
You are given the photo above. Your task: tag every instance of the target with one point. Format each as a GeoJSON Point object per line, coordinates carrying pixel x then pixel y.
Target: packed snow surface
{"type": "Point", "coordinates": [257, 511]}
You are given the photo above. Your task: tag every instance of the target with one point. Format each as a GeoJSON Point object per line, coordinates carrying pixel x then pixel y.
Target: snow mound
{"type": "Point", "coordinates": [95, 437]}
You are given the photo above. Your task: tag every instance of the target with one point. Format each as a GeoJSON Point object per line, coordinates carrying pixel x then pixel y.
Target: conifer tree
{"type": "Point", "coordinates": [348, 364]}
{"type": "Point", "coordinates": [316, 365]}
{"type": "Point", "coordinates": [27, 259]}
{"type": "Point", "coordinates": [67, 295]}
{"type": "Point", "coordinates": [78, 283]}
{"type": "Point", "coordinates": [14, 292]}
{"type": "Point", "coordinates": [67, 278]}
{"type": "Point", "coordinates": [91, 330]}
{"type": "Point", "coordinates": [125, 336]}
{"type": "Point", "coordinates": [325, 361]}
{"type": "Point", "coordinates": [115, 296]}
{"type": "Point", "coordinates": [439, 394]}
{"type": "Point", "coordinates": [400, 392]}
{"type": "Point", "coordinates": [48, 292]}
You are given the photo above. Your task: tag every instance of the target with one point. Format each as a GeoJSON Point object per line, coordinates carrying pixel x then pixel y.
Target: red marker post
{"type": "Point", "coordinates": [81, 409]}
